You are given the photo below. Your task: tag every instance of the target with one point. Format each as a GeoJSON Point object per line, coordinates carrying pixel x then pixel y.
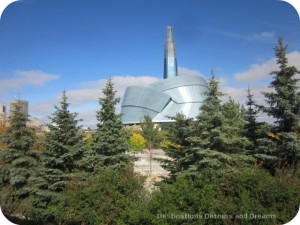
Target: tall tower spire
{"type": "Point", "coordinates": [170, 64]}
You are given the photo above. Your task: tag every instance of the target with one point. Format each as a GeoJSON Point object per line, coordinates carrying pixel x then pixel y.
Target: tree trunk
{"type": "Point", "coordinates": [150, 160]}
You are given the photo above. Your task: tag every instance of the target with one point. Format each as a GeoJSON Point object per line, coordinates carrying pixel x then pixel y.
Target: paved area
{"type": "Point", "coordinates": [142, 163]}
{"type": "Point", "coordinates": [142, 166]}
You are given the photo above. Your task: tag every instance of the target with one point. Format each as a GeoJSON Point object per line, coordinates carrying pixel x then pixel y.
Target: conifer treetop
{"type": "Point", "coordinates": [110, 140]}
{"type": "Point", "coordinates": [213, 94]}
{"type": "Point", "coordinates": [283, 103]}
{"type": "Point", "coordinates": [108, 103]}
{"type": "Point", "coordinates": [280, 52]}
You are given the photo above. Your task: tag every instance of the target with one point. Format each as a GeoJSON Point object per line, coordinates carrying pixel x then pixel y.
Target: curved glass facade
{"type": "Point", "coordinates": [165, 98]}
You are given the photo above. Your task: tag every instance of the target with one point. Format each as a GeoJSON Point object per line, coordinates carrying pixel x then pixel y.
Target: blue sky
{"type": "Point", "coordinates": [50, 45]}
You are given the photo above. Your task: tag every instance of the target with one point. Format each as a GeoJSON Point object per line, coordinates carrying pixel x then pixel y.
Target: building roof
{"type": "Point", "coordinates": [164, 99]}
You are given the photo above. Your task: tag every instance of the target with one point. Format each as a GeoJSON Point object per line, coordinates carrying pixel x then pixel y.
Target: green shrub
{"type": "Point", "coordinates": [107, 198]}
{"type": "Point", "coordinates": [247, 196]}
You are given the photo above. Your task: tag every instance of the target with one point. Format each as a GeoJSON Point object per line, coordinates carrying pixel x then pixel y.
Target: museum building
{"type": "Point", "coordinates": [165, 98]}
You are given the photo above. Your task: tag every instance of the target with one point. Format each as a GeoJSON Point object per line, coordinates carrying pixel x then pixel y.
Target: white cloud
{"type": "Point", "coordinates": [262, 71]}
{"type": "Point", "coordinates": [183, 71]}
{"type": "Point", "coordinates": [88, 118]}
{"type": "Point", "coordinates": [257, 76]}
{"type": "Point", "coordinates": [24, 78]}
{"type": "Point", "coordinates": [257, 71]}
{"type": "Point", "coordinates": [81, 96]}
{"type": "Point", "coordinates": [222, 81]}
{"type": "Point", "coordinates": [240, 94]}
{"type": "Point", "coordinates": [263, 36]}
{"type": "Point", "coordinates": [121, 83]}
{"type": "Point", "coordinates": [92, 90]}
{"type": "Point", "coordinates": [85, 99]}
{"type": "Point", "coordinates": [42, 108]}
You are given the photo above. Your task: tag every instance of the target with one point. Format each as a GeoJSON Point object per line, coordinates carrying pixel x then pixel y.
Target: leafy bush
{"type": "Point", "coordinates": [247, 196]}
{"type": "Point", "coordinates": [107, 198]}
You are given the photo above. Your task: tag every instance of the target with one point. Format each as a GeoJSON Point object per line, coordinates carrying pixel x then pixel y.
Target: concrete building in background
{"type": "Point", "coordinates": [165, 98]}
{"type": "Point", "coordinates": [23, 104]}
{"type": "Point", "coordinates": [33, 122]}
{"type": "Point", "coordinates": [2, 113]}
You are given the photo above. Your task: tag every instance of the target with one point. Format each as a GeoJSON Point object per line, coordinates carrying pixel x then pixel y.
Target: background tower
{"type": "Point", "coordinates": [170, 63]}
{"type": "Point", "coordinates": [2, 113]}
{"type": "Point", "coordinates": [23, 104]}
{"type": "Point", "coordinates": [163, 99]}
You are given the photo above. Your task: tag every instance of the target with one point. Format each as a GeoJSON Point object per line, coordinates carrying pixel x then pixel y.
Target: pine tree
{"type": "Point", "coordinates": [232, 138]}
{"type": "Point", "coordinates": [252, 126]}
{"type": "Point", "coordinates": [284, 106]}
{"type": "Point", "coordinates": [64, 140]}
{"type": "Point", "coordinates": [19, 161]}
{"type": "Point", "coordinates": [110, 139]}
{"type": "Point", "coordinates": [177, 145]}
{"type": "Point", "coordinates": [217, 140]}
{"type": "Point", "coordinates": [150, 133]}
{"type": "Point", "coordinates": [64, 148]}
{"type": "Point", "coordinates": [210, 117]}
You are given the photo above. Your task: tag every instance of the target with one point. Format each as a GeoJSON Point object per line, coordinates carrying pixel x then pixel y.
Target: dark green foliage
{"type": "Point", "coordinates": [180, 130]}
{"type": "Point", "coordinates": [64, 148]}
{"type": "Point", "coordinates": [210, 118]}
{"type": "Point", "coordinates": [253, 129]}
{"type": "Point", "coordinates": [63, 142]}
{"type": "Point", "coordinates": [266, 150]}
{"type": "Point", "coordinates": [18, 160]}
{"type": "Point", "coordinates": [111, 197]}
{"type": "Point", "coordinates": [231, 195]}
{"type": "Point", "coordinates": [177, 145]}
{"type": "Point", "coordinates": [217, 139]}
{"type": "Point", "coordinates": [110, 139]}
{"type": "Point", "coordinates": [289, 149]}
{"type": "Point", "coordinates": [284, 106]}
{"type": "Point", "coordinates": [212, 180]}
{"type": "Point", "coordinates": [232, 137]}
{"type": "Point", "coordinates": [219, 126]}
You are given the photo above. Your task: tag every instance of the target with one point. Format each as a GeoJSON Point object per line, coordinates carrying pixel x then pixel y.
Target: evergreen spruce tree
{"type": "Point", "coordinates": [64, 148]}
{"type": "Point", "coordinates": [64, 140]}
{"type": "Point", "coordinates": [18, 160]}
{"type": "Point", "coordinates": [110, 140]}
{"type": "Point", "coordinates": [210, 117]}
{"type": "Point", "coordinates": [177, 145]}
{"type": "Point", "coordinates": [252, 126]}
{"type": "Point", "coordinates": [217, 140]}
{"type": "Point", "coordinates": [232, 138]}
{"type": "Point", "coordinates": [284, 106]}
